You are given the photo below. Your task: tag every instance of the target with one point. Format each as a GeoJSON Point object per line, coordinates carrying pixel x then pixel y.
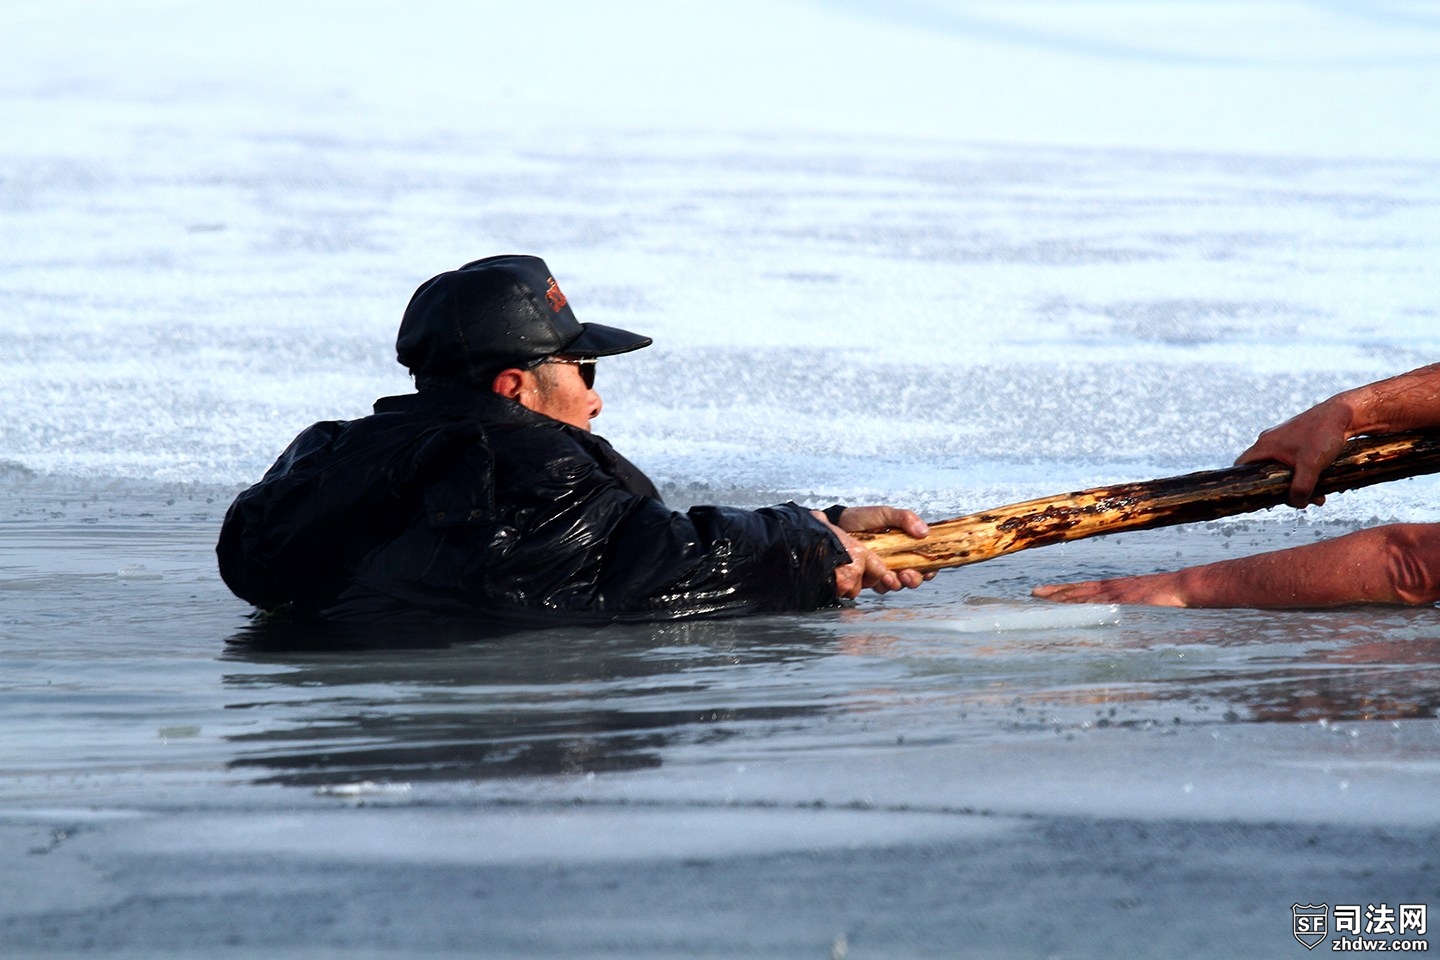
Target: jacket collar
{"type": "Point", "coordinates": [484, 406]}
{"type": "Point", "coordinates": [463, 403]}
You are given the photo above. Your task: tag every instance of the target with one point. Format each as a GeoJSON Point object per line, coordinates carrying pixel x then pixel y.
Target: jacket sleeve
{"type": "Point", "coordinates": [720, 560]}
{"type": "Point", "coordinates": [584, 542]}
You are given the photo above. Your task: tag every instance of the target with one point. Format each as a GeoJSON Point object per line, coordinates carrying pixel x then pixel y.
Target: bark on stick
{"type": "Point", "coordinates": [1192, 497]}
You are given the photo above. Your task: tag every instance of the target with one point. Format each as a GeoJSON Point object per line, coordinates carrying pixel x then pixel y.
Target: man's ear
{"type": "Point", "coordinates": [509, 383]}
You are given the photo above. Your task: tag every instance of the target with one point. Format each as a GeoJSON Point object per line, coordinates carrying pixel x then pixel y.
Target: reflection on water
{"type": "Point", "coordinates": [574, 700]}
{"type": "Point", "coordinates": [457, 707]}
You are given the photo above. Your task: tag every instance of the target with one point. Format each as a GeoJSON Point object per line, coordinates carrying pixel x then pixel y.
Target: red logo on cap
{"type": "Point", "coordinates": [554, 296]}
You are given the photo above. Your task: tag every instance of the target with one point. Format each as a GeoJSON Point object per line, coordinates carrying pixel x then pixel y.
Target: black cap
{"type": "Point", "coordinates": [495, 313]}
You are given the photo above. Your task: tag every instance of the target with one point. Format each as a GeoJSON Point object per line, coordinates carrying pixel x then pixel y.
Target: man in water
{"type": "Point", "coordinates": [1397, 563]}
{"type": "Point", "coordinates": [485, 496]}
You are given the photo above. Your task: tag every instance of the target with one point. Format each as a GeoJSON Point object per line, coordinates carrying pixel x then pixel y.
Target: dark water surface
{"type": "Point", "coordinates": [956, 767]}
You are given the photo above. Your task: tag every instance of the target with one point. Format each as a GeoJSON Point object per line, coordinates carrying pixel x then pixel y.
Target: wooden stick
{"type": "Point", "coordinates": [1206, 495]}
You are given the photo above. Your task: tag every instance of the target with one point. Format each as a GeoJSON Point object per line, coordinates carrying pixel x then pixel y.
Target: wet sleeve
{"type": "Point", "coordinates": [716, 560]}
{"type": "Point", "coordinates": [581, 541]}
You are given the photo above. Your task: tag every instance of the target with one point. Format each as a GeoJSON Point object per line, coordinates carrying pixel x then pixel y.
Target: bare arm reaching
{"type": "Point", "coordinates": [1399, 563]}
{"type": "Point", "coordinates": [1310, 441]}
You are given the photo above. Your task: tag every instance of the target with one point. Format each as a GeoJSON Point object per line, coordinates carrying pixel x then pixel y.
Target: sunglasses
{"type": "Point", "coordinates": [586, 366]}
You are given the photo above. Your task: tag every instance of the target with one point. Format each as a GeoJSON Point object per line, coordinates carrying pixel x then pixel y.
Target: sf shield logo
{"type": "Point", "coordinates": [1310, 926]}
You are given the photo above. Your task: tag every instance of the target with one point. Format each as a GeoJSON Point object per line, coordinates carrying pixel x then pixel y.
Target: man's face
{"type": "Point", "coordinates": [559, 392]}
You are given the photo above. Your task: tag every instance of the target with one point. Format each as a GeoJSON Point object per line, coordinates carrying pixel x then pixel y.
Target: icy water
{"type": "Point", "coordinates": [947, 256]}
{"type": "Point", "coordinates": [954, 772]}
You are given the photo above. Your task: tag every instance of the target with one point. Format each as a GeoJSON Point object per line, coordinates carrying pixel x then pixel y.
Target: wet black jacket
{"type": "Point", "coordinates": [462, 503]}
